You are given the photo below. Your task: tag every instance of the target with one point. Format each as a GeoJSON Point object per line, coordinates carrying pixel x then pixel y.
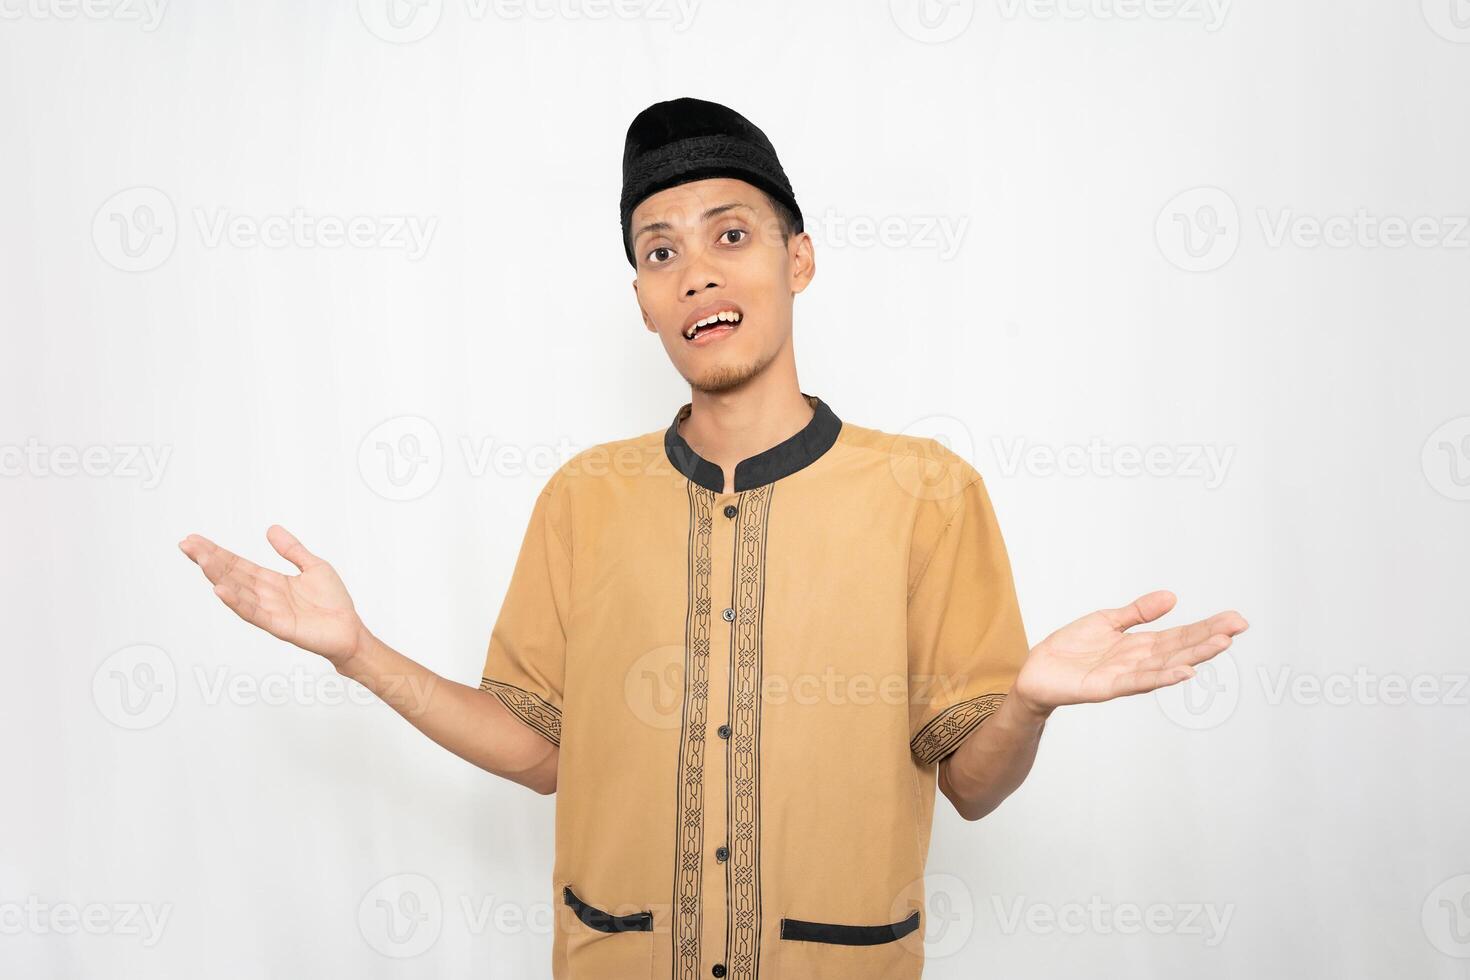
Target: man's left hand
{"type": "Point", "coordinates": [1096, 659]}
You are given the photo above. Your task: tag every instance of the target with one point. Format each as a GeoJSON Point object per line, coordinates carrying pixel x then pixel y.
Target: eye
{"type": "Point", "coordinates": [734, 231]}
{"type": "Point", "coordinates": [659, 261]}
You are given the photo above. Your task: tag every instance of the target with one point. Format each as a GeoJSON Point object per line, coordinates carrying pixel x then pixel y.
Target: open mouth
{"type": "Point", "coordinates": [712, 325]}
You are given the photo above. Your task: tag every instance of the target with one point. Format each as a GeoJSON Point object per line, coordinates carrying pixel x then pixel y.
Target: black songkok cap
{"type": "Point", "coordinates": [674, 142]}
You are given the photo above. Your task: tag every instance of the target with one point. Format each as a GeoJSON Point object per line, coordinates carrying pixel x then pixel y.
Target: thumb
{"type": "Point", "coordinates": [289, 548]}
{"type": "Point", "coordinates": [1144, 609]}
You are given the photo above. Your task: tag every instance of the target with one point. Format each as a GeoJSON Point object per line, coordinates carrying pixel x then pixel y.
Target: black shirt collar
{"type": "Point", "coordinates": [767, 466]}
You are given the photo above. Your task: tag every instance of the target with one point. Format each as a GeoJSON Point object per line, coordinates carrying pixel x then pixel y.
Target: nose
{"type": "Point", "coordinates": [700, 273]}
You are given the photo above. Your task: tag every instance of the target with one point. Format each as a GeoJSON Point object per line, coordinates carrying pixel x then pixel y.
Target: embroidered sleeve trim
{"type": "Point", "coordinates": [946, 730]}
{"type": "Point", "coordinates": [536, 712]}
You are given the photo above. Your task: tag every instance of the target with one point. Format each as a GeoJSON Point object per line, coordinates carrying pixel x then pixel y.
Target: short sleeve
{"type": "Point", "coordinates": [525, 664]}
{"type": "Point", "coordinates": [966, 642]}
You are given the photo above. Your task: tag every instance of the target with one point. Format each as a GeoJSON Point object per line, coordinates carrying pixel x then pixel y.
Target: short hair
{"type": "Point", "coordinates": [784, 218]}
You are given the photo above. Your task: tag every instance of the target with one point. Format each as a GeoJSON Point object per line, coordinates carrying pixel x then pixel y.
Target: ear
{"type": "Point", "coordinates": [803, 261]}
{"type": "Point", "coordinates": [647, 320]}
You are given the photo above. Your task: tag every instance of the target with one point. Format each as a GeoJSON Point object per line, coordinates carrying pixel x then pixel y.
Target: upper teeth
{"type": "Point", "coordinates": [729, 316]}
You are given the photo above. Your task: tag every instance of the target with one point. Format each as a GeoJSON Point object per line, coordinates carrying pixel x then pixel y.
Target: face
{"type": "Point", "coordinates": [712, 247]}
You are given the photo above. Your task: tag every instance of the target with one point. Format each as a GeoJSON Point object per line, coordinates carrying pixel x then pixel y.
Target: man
{"type": "Point", "coordinates": [743, 650]}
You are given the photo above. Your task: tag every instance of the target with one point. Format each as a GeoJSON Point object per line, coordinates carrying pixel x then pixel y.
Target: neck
{"type": "Point", "coordinates": [726, 427]}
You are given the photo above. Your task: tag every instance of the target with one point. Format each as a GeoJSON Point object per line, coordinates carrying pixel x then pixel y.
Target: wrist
{"type": "Point", "coordinates": [356, 659]}
{"type": "Point", "coordinates": [1029, 709]}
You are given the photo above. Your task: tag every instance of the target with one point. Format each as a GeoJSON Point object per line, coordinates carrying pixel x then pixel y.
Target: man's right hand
{"type": "Point", "coordinates": [311, 610]}
{"type": "Point", "coordinates": [314, 611]}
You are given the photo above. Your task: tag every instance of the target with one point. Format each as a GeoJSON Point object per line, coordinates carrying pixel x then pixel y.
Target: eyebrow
{"type": "Point", "coordinates": [665, 226]}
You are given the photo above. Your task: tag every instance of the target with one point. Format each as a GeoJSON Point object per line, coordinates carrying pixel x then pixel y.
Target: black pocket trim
{"type": "Point", "coordinates": [830, 932]}
{"type": "Point", "coordinates": [596, 918]}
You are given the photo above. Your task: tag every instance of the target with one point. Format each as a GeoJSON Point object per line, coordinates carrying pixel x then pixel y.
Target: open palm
{"type": "Point", "coordinates": [311, 610]}
{"type": "Point", "coordinates": [1096, 659]}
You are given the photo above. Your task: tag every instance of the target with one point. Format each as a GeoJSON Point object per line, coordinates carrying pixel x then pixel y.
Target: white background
{"type": "Point", "coordinates": [1130, 195]}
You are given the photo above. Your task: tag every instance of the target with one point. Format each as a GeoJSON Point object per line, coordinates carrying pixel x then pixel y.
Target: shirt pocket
{"type": "Point", "coordinates": [604, 940]}
{"type": "Point", "coordinates": [818, 950]}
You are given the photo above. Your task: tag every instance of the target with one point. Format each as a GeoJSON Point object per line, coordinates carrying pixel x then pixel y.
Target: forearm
{"type": "Point", "coordinates": [471, 723]}
{"type": "Point", "coordinates": [993, 761]}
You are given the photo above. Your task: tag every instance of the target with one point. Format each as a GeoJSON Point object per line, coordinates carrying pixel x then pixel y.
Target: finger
{"type": "Point", "coordinates": [194, 546]}
{"type": "Point", "coordinates": [1198, 653]}
{"type": "Point", "coordinates": [217, 563]}
{"type": "Point", "coordinates": [1229, 623]}
{"type": "Point", "coordinates": [246, 602]}
{"type": "Point", "coordinates": [289, 548]}
{"type": "Point", "coordinates": [239, 597]}
{"type": "Point", "coordinates": [1143, 681]}
{"type": "Point", "coordinates": [1144, 609]}
{"type": "Point", "coordinates": [1171, 641]}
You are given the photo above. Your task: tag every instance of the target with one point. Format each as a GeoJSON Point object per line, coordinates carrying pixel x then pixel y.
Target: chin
{"type": "Point", "coordinates": [716, 378]}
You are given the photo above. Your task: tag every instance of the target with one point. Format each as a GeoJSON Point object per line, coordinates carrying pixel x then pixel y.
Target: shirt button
{"type": "Point", "coordinates": [729, 615]}
{"type": "Point", "coordinates": [718, 969]}
{"type": "Point", "coordinates": [721, 853]}
{"type": "Point", "coordinates": [730, 510]}
{"type": "Point", "coordinates": [724, 731]}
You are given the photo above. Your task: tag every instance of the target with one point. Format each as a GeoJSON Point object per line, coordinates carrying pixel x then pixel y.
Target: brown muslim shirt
{"type": "Point", "coordinates": [751, 692]}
